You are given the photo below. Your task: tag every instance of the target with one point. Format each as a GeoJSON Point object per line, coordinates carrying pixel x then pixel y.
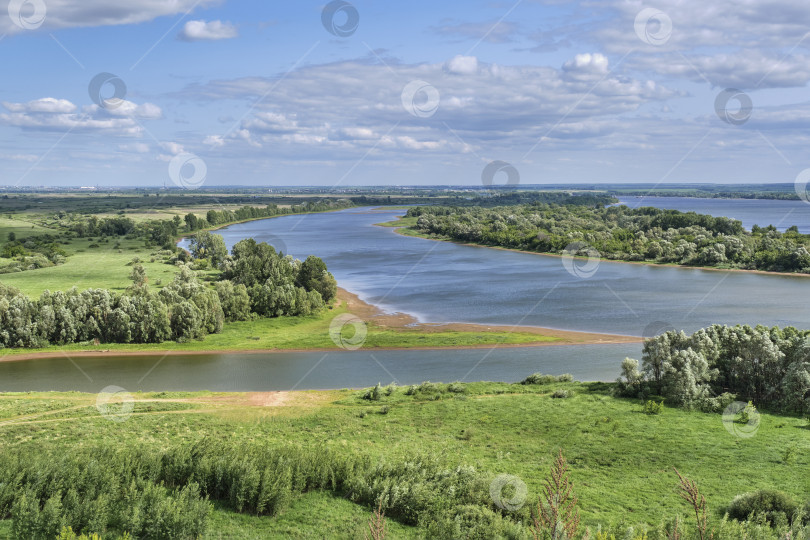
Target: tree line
{"type": "Point", "coordinates": [719, 364]}
{"type": "Point", "coordinates": [622, 233]}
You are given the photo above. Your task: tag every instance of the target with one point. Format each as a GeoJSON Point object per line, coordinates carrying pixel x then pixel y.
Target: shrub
{"type": "Point", "coordinates": [373, 394]}
{"type": "Point", "coordinates": [561, 394]}
{"type": "Point", "coordinates": [539, 378]}
{"type": "Point", "coordinates": [652, 407]}
{"type": "Point", "coordinates": [774, 506]}
{"type": "Point", "coordinates": [456, 388]}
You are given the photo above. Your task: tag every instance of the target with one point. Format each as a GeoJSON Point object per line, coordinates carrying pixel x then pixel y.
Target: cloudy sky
{"type": "Point", "coordinates": [260, 92]}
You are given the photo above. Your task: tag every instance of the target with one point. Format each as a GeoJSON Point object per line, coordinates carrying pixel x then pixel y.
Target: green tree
{"type": "Point", "coordinates": [314, 276]}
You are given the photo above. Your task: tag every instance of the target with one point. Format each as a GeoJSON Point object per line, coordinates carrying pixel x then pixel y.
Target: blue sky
{"type": "Point", "coordinates": [261, 93]}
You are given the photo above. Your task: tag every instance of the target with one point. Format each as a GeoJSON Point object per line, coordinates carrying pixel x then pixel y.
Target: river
{"type": "Point", "coordinates": [446, 282]}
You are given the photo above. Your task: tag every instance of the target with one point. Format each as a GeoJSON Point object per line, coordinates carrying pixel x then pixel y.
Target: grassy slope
{"type": "Point", "coordinates": [621, 459]}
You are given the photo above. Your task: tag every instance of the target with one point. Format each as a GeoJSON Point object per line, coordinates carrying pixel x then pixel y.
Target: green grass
{"type": "Point", "coordinates": [621, 459]}
{"type": "Point", "coordinates": [106, 266]}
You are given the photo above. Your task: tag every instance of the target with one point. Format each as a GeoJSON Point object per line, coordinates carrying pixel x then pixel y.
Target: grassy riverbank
{"type": "Point", "coordinates": [312, 333]}
{"type": "Point", "coordinates": [621, 459]}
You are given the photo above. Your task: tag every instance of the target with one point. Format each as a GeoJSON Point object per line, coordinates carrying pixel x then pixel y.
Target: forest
{"type": "Point", "coordinates": [621, 233]}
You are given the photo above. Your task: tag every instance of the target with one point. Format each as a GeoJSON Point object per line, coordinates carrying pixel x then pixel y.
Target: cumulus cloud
{"type": "Point", "coordinates": [207, 31]}
{"type": "Point", "coordinates": [60, 115]}
{"type": "Point", "coordinates": [462, 65]}
{"type": "Point", "coordinates": [485, 106]}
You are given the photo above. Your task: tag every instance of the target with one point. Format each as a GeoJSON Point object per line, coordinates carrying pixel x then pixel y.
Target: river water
{"type": "Point", "coordinates": [445, 282]}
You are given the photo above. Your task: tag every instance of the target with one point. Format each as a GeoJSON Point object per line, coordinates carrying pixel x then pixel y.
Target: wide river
{"type": "Point", "coordinates": [446, 282]}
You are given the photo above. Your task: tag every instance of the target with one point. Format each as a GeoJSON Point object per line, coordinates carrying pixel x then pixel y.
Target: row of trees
{"type": "Point", "coordinates": [183, 310]}
{"type": "Point", "coordinates": [622, 233]}
{"type": "Point", "coordinates": [715, 365]}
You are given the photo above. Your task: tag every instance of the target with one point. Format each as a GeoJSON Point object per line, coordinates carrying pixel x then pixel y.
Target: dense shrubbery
{"type": "Point", "coordinates": [166, 494]}
{"type": "Point", "coordinates": [715, 365]}
{"type": "Point", "coordinates": [621, 233]}
{"type": "Point", "coordinates": [774, 506]}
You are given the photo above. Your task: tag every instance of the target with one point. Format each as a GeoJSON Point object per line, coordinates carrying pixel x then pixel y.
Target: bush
{"type": "Point", "coordinates": [652, 407]}
{"type": "Point", "coordinates": [774, 506]}
{"type": "Point", "coordinates": [539, 378]}
{"type": "Point", "coordinates": [373, 394]}
{"type": "Point", "coordinates": [561, 394]}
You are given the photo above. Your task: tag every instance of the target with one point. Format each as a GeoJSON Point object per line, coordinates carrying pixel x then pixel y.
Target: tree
{"type": "Point", "coordinates": [192, 222]}
{"type": "Point", "coordinates": [138, 277]}
{"type": "Point", "coordinates": [313, 276]}
{"type": "Point", "coordinates": [234, 300]}
{"type": "Point", "coordinates": [205, 245]}
{"type": "Point", "coordinates": [12, 236]}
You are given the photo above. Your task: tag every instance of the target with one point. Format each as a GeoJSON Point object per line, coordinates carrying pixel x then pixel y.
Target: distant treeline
{"type": "Point", "coordinates": [775, 195]}
{"type": "Point", "coordinates": [621, 233]}
{"type": "Point", "coordinates": [164, 232]}
{"type": "Point", "coordinates": [718, 364]}
{"type": "Point", "coordinates": [492, 198]}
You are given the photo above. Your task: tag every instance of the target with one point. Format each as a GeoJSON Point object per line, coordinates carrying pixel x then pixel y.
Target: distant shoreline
{"type": "Point", "coordinates": [557, 255]}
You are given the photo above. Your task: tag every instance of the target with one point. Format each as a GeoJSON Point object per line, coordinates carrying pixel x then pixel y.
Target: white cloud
{"type": "Point", "coordinates": [501, 106]}
{"type": "Point", "coordinates": [85, 13]}
{"type": "Point", "coordinates": [51, 114]}
{"type": "Point", "coordinates": [138, 148]}
{"type": "Point", "coordinates": [172, 147]}
{"type": "Point", "coordinates": [463, 65]}
{"type": "Point", "coordinates": [207, 31]}
{"type": "Point", "coordinates": [43, 105]}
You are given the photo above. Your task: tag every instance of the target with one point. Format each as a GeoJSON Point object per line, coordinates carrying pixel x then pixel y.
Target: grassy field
{"type": "Point", "coordinates": [621, 459]}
